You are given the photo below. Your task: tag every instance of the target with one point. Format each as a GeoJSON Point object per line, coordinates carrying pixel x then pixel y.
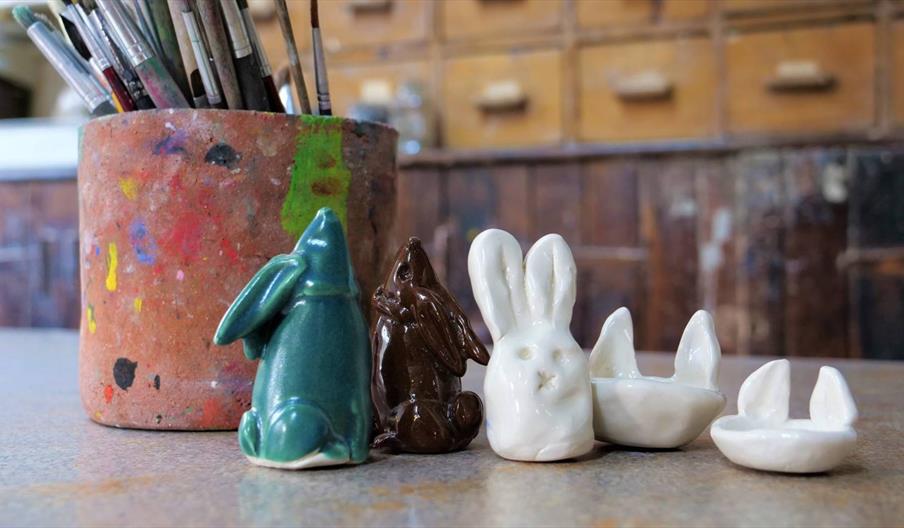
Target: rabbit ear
{"type": "Point", "coordinates": [764, 394]}
{"type": "Point", "coordinates": [264, 296]}
{"type": "Point", "coordinates": [831, 402]}
{"type": "Point", "coordinates": [697, 360]}
{"type": "Point", "coordinates": [613, 355]}
{"type": "Point", "coordinates": [550, 281]}
{"type": "Point", "coordinates": [497, 280]}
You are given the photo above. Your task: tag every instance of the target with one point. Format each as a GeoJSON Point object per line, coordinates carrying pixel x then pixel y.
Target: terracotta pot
{"type": "Point", "coordinates": [177, 210]}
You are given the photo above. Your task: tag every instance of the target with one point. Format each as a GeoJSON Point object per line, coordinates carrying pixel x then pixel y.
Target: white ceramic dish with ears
{"type": "Point", "coordinates": [631, 409]}
{"type": "Point", "coordinates": [761, 436]}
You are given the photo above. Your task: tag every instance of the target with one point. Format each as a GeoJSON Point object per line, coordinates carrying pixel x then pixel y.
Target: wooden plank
{"type": "Point", "coordinates": [15, 219]}
{"type": "Point", "coordinates": [815, 219]}
{"type": "Point", "coordinates": [610, 262]}
{"type": "Point", "coordinates": [717, 231]}
{"type": "Point", "coordinates": [760, 256]}
{"type": "Point", "coordinates": [480, 198]}
{"type": "Point", "coordinates": [876, 228]}
{"type": "Point", "coordinates": [668, 205]}
{"type": "Point", "coordinates": [556, 201]}
{"type": "Point", "coordinates": [418, 207]}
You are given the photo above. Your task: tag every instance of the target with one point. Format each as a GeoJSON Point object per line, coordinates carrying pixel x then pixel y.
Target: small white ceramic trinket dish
{"type": "Point", "coordinates": [645, 411]}
{"type": "Point", "coordinates": [761, 436]}
{"type": "Point", "coordinates": [537, 387]}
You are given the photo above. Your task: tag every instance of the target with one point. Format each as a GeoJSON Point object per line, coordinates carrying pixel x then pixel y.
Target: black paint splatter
{"type": "Point", "coordinates": [157, 382]}
{"type": "Point", "coordinates": [124, 372]}
{"type": "Point", "coordinates": [158, 418]}
{"type": "Point", "coordinates": [223, 155]}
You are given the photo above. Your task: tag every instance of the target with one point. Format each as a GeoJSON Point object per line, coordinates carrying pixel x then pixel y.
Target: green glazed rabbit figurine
{"type": "Point", "coordinates": [300, 316]}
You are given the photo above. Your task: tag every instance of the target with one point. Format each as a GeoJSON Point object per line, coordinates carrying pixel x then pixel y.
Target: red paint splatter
{"type": "Point", "coordinates": [108, 393]}
{"type": "Point", "coordinates": [229, 250]}
{"type": "Point", "coordinates": [185, 238]}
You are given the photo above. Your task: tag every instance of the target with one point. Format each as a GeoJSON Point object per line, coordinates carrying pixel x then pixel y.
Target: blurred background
{"type": "Point", "coordinates": [741, 156]}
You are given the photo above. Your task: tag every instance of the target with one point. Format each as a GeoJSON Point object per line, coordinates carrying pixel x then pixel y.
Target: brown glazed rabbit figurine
{"type": "Point", "coordinates": [421, 342]}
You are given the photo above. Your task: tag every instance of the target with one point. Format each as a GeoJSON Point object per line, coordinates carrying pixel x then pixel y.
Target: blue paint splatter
{"type": "Point", "coordinates": [96, 250]}
{"type": "Point", "coordinates": [144, 244]}
{"type": "Point", "coordinates": [172, 144]}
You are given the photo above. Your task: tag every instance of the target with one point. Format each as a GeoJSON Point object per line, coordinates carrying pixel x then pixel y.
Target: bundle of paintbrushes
{"type": "Point", "coordinates": [124, 55]}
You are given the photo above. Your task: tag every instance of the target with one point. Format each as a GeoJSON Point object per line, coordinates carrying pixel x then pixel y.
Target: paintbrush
{"type": "Point", "coordinates": [189, 62]}
{"type": "Point", "coordinates": [285, 24]}
{"type": "Point", "coordinates": [323, 86]}
{"type": "Point", "coordinates": [261, 56]}
{"type": "Point", "coordinates": [120, 64]}
{"type": "Point", "coordinates": [158, 82]}
{"type": "Point", "coordinates": [169, 44]}
{"type": "Point", "coordinates": [247, 69]}
{"type": "Point", "coordinates": [77, 17]}
{"type": "Point", "coordinates": [211, 21]}
{"type": "Point", "coordinates": [65, 62]}
{"type": "Point", "coordinates": [202, 57]}
{"type": "Point", "coordinates": [142, 12]}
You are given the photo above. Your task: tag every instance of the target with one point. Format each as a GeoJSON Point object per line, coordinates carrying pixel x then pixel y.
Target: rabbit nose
{"type": "Point", "coordinates": [547, 381]}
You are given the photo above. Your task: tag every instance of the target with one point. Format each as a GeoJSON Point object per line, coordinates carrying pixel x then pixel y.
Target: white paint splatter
{"type": "Point", "coordinates": [180, 275]}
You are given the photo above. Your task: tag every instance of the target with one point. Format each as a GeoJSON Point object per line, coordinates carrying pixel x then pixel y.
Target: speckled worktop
{"type": "Point", "coordinates": [58, 468]}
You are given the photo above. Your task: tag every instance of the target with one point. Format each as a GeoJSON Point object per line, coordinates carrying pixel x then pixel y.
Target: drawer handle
{"type": "Point", "coordinates": [369, 6]}
{"type": "Point", "coordinates": [502, 96]}
{"type": "Point", "coordinates": [799, 76]}
{"type": "Point", "coordinates": [644, 86]}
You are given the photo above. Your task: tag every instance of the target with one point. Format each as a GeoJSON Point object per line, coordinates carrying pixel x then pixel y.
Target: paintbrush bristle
{"type": "Point", "coordinates": [315, 18]}
{"type": "Point", "coordinates": [24, 16]}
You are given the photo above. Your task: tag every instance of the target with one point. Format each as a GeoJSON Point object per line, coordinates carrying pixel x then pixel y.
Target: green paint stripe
{"type": "Point", "coordinates": [319, 175]}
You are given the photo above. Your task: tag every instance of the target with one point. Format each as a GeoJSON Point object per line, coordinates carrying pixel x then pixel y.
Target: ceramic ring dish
{"type": "Point", "coordinates": [761, 436]}
{"type": "Point", "coordinates": [631, 409]}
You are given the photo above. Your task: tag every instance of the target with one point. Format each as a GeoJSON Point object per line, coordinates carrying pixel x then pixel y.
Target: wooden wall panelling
{"type": "Point", "coordinates": [717, 229]}
{"type": "Point", "coordinates": [610, 261]}
{"type": "Point", "coordinates": [815, 224]}
{"type": "Point", "coordinates": [669, 210]}
{"type": "Point", "coordinates": [419, 209]}
{"type": "Point", "coordinates": [896, 72]}
{"type": "Point", "coordinates": [620, 13]}
{"type": "Point", "coordinates": [760, 247]}
{"type": "Point", "coordinates": [875, 256]}
{"type": "Point", "coordinates": [480, 198]}
{"type": "Point", "coordinates": [16, 266]}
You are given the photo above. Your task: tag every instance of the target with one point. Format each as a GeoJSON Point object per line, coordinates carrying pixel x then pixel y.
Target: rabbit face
{"type": "Point", "coordinates": [537, 385]}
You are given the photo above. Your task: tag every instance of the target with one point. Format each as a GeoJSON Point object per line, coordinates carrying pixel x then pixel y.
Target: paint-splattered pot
{"type": "Point", "coordinates": [178, 208]}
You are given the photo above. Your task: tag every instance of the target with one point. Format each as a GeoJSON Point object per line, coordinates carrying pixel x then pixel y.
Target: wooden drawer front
{"type": "Point", "coordinates": [648, 90]}
{"type": "Point", "coordinates": [349, 24]}
{"type": "Point", "coordinates": [503, 100]}
{"type": "Point", "coordinates": [804, 80]}
{"type": "Point", "coordinates": [897, 72]}
{"type": "Point", "coordinates": [493, 18]}
{"type": "Point", "coordinates": [595, 13]}
{"type": "Point", "coordinates": [348, 82]}
{"type": "Point", "coordinates": [772, 5]}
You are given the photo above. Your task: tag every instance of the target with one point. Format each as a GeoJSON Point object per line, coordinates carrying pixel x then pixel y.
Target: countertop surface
{"type": "Point", "coordinates": [59, 468]}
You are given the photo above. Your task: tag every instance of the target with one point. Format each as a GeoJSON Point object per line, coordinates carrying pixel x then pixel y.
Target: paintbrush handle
{"type": "Point", "coordinates": [285, 24]}
{"type": "Point", "coordinates": [247, 68]}
{"type": "Point", "coordinates": [324, 106]}
{"type": "Point", "coordinates": [222, 56]}
{"type": "Point", "coordinates": [171, 55]}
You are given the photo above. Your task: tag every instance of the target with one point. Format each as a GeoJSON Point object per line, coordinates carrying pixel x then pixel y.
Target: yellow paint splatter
{"type": "Point", "coordinates": [137, 304]}
{"type": "Point", "coordinates": [92, 323]}
{"type": "Point", "coordinates": [112, 264]}
{"type": "Point", "coordinates": [129, 187]}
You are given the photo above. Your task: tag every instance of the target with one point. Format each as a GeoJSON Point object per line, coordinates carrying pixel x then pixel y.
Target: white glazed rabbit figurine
{"type": "Point", "coordinates": [537, 386]}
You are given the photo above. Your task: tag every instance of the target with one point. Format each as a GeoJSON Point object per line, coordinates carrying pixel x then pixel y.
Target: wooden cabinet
{"type": "Point", "coordinates": [347, 83]}
{"type": "Point", "coordinates": [648, 90]}
{"type": "Point", "coordinates": [503, 100]}
{"type": "Point", "coordinates": [596, 13]}
{"type": "Point", "coordinates": [897, 72]}
{"type": "Point", "coordinates": [494, 18]}
{"type": "Point", "coordinates": [818, 79]}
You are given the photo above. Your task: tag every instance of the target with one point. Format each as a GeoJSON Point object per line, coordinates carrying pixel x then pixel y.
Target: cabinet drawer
{"type": "Point", "coordinates": [595, 13]}
{"type": "Point", "coordinates": [802, 80]}
{"type": "Point", "coordinates": [347, 83]}
{"type": "Point", "coordinates": [349, 24]}
{"type": "Point", "coordinates": [648, 90]}
{"type": "Point", "coordinates": [897, 72]}
{"type": "Point", "coordinates": [493, 18]}
{"type": "Point", "coordinates": [503, 100]}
